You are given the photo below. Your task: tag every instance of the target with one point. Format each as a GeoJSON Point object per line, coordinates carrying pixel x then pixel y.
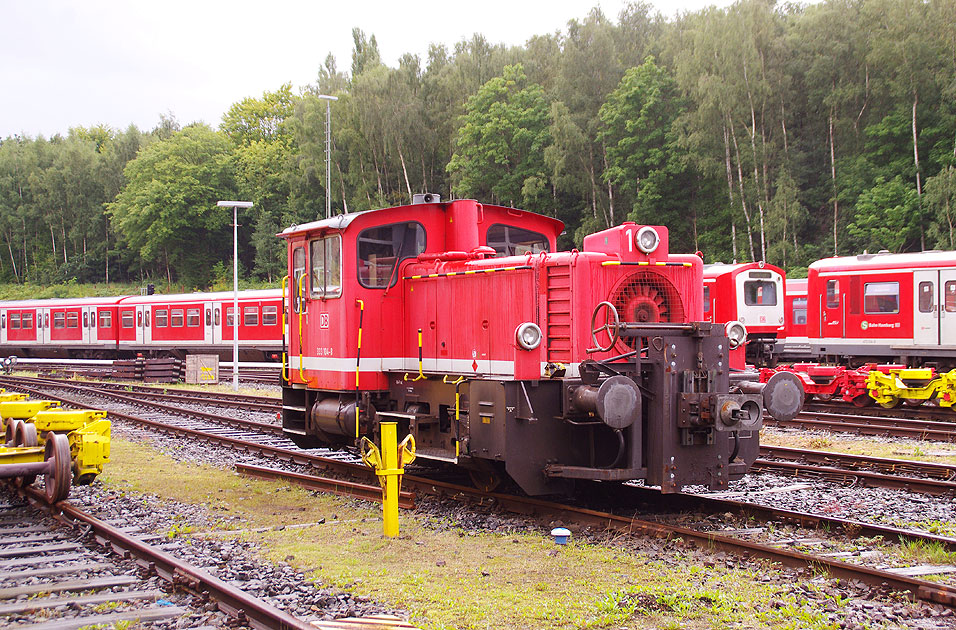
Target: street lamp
{"type": "Point", "coordinates": [328, 152]}
{"type": "Point", "coordinates": [235, 205]}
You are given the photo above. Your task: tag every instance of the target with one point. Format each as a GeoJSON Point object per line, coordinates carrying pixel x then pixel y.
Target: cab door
{"type": "Point", "coordinates": [928, 313]}
{"type": "Point", "coordinates": [947, 307]}
{"type": "Point", "coordinates": [833, 308]}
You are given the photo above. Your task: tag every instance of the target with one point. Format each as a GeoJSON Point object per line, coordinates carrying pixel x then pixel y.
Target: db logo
{"type": "Point", "coordinates": [864, 325]}
{"type": "Point", "coordinates": [323, 320]}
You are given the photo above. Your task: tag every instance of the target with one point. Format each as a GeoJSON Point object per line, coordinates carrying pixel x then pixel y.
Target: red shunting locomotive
{"type": "Point", "coordinates": [461, 322]}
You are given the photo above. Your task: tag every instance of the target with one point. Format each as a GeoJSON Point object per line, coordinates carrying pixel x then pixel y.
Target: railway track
{"type": "Point", "coordinates": [870, 425]}
{"type": "Point", "coordinates": [81, 571]}
{"type": "Point", "coordinates": [925, 411]}
{"type": "Point", "coordinates": [346, 466]}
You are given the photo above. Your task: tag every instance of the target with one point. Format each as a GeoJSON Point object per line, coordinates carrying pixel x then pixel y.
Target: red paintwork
{"type": "Point", "coordinates": [795, 289]}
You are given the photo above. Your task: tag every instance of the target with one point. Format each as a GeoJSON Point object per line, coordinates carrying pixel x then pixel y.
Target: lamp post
{"type": "Point", "coordinates": [328, 152]}
{"type": "Point", "coordinates": [235, 205]}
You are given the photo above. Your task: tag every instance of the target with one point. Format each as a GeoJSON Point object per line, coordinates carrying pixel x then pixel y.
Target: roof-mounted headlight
{"type": "Point", "coordinates": [528, 335]}
{"type": "Point", "coordinates": [647, 239]}
{"type": "Point", "coordinates": [736, 333]}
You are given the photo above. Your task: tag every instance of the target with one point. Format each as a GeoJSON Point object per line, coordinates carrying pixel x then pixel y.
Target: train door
{"type": "Point", "coordinates": [217, 323]}
{"type": "Point", "coordinates": [141, 325]}
{"type": "Point", "coordinates": [88, 323]}
{"type": "Point", "coordinates": [947, 308]}
{"type": "Point", "coordinates": [208, 328]}
{"type": "Point", "coordinates": [42, 325]}
{"type": "Point", "coordinates": [833, 308]}
{"type": "Point", "coordinates": [297, 294]}
{"type": "Point", "coordinates": [928, 313]}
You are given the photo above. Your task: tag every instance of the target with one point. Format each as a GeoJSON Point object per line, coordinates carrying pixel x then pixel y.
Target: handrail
{"type": "Point", "coordinates": [301, 312]}
{"type": "Point", "coordinates": [285, 371]}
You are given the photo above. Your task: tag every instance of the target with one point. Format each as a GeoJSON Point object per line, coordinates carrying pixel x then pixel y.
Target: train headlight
{"type": "Point", "coordinates": [737, 333]}
{"type": "Point", "coordinates": [528, 335]}
{"type": "Point", "coordinates": [647, 239]}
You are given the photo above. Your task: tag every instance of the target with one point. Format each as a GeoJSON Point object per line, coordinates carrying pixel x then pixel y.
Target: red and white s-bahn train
{"type": "Point", "coordinates": [461, 323]}
{"type": "Point", "coordinates": [853, 310]}
{"type": "Point", "coordinates": [753, 294]}
{"type": "Point", "coordinates": [151, 325]}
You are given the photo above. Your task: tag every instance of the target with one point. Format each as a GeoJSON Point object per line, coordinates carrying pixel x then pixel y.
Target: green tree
{"type": "Point", "coordinates": [885, 217]}
{"type": "Point", "coordinates": [501, 143]}
{"type": "Point", "coordinates": [167, 212]}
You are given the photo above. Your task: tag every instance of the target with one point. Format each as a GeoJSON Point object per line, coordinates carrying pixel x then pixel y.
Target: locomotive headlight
{"type": "Point", "coordinates": [647, 239]}
{"type": "Point", "coordinates": [528, 335]}
{"type": "Point", "coordinates": [736, 333]}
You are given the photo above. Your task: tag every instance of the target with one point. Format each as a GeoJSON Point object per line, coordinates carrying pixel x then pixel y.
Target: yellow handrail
{"type": "Point", "coordinates": [358, 362]}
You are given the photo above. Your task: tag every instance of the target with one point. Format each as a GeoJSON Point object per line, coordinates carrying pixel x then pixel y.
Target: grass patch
{"type": "Point", "coordinates": [448, 577]}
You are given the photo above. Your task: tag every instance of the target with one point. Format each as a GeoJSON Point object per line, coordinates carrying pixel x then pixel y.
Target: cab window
{"type": "Point", "coordinates": [326, 256]}
{"type": "Point", "coordinates": [881, 297]}
{"type": "Point", "coordinates": [707, 299]}
{"type": "Point", "coordinates": [508, 240]}
{"type": "Point", "coordinates": [760, 293]}
{"type": "Point", "coordinates": [380, 249]}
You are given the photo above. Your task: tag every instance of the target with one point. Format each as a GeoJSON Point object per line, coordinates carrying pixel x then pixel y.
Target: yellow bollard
{"type": "Point", "coordinates": [389, 464]}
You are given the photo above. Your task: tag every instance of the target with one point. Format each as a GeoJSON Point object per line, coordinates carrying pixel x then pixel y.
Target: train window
{"type": "Point", "coordinates": [208, 316]}
{"type": "Point", "coordinates": [14, 321]}
{"type": "Point", "coordinates": [139, 319]}
{"type": "Point", "coordinates": [29, 324]}
{"type": "Point", "coordinates": [270, 315]}
{"type": "Point", "coordinates": [27, 320]}
{"type": "Point", "coordinates": [380, 249]}
{"type": "Point", "coordinates": [326, 254]}
{"type": "Point", "coordinates": [250, 316]}
{"type": "Point", "coordinates": [3, 321]}
{"type": "Point", "coordinates": [217, 317]}
{"type": "Point", "coordinates": [147, 318]}
{"type": "Point", "coordinates": [162, 318]}
{"type": "Point", "coordinates": [706, 299]}
{"type": "Point", "coordinates": [950, 299]}
{"type": "Point", "coordinates": [106, 319]}
{"type": "Point", "coordinates": [127, 319]}
{"type": "Point", "coordinates": [86, 320]}
{"type": "Point", "coordinates": [833, 293]}
{"type": "Point", "coordinates": [176, 318]}
{"type": "Point", "coordinates": [298, 272]}
{"type": "Point", "coordinates": [927, 291]}
{"type": "Point", "coordinates": [72, 320]}
{"type": "Point", "coordinates": [760, 293]}
{"type": "Point", "coordinates": [229, 317]}
{"type": "Point", "coordinates": [800, 311]}
{"type": "Point", "coordinates": [192, 317]}
{"type": "Point", "coordinates": [881, 297]}
{"type": "Point", "coordinates": [508, 240]}
{"type": "Point", "coordinates": [59, 320]}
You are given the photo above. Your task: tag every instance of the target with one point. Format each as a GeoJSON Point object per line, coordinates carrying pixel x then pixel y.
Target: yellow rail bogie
{"type": "Point", "coordinates": [900, 385]}
{"type": "Point", "coordinates": [64, 420]}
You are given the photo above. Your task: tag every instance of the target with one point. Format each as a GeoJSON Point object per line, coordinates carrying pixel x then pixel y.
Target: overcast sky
{"type": "Point", "coordinates": [68, 63]}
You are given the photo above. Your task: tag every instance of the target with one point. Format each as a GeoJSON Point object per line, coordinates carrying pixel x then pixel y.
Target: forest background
{"type": "Point", "coordinates": [763, 131]}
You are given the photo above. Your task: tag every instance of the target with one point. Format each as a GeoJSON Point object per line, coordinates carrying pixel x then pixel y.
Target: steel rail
{"type": "Point", "coordinates": [934, 487]}
{"type": "Point", "coordinates": [885, 427]}
{"type": "Point", "coordinates": [234, 601]}
{"type": "Point", "coordinates": [932, 470]}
